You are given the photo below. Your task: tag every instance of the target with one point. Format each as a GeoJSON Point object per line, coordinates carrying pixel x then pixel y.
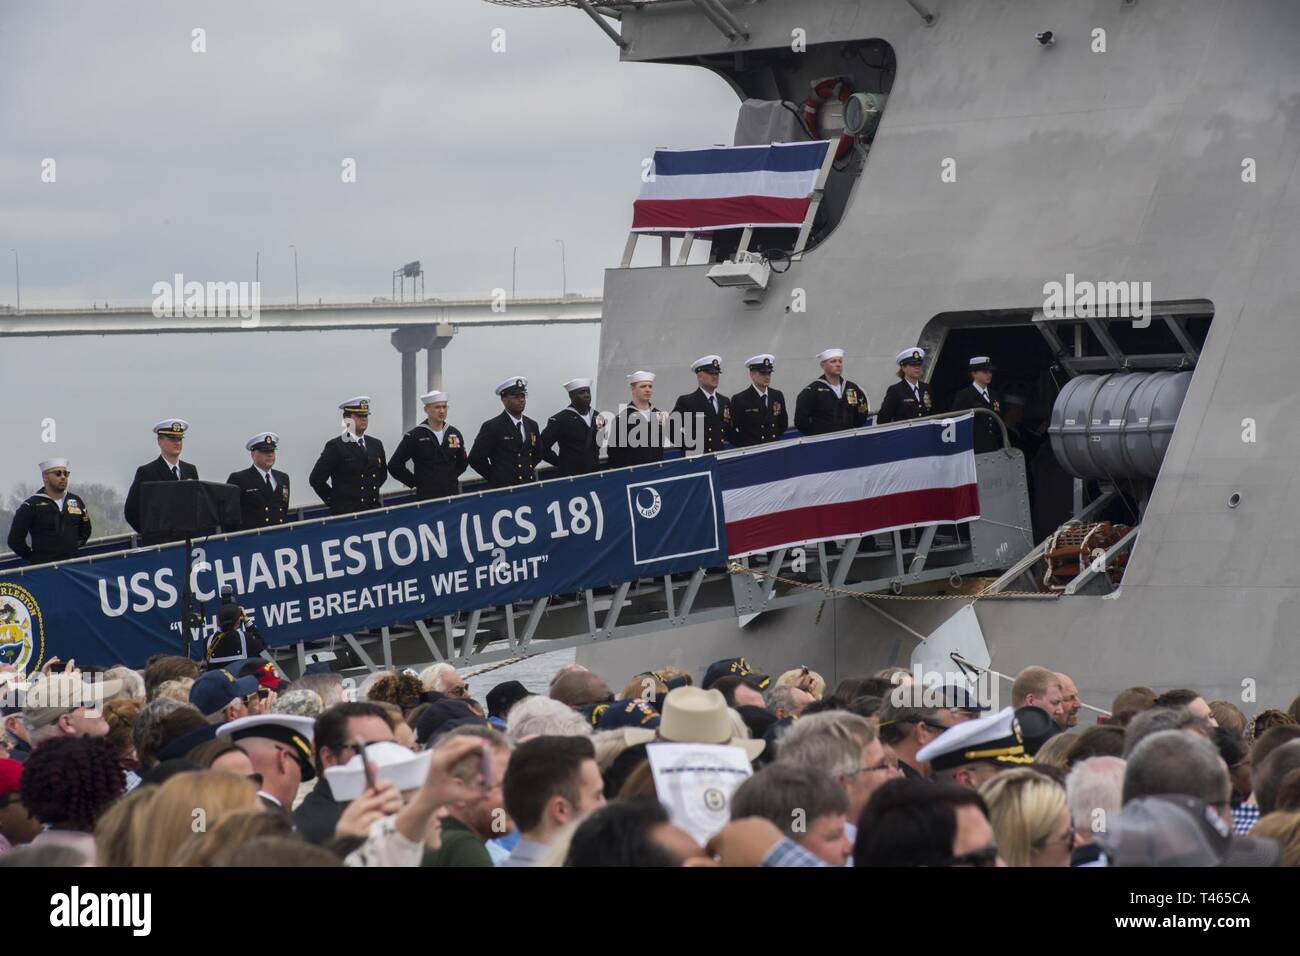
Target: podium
{"type": "Point", "coordinates": [174, 510]}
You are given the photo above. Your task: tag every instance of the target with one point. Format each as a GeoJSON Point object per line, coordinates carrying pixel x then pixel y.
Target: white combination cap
{"type": "Point", "coordinates": [573, 384]}
{"type": "Point", "coordinates": [53, 463]}
{"type": "Point", "coordinates": [641, 377]}
{"type": "Point", "coordinates": [172, 427]}
{"type": "Point", "coordinates": [357, 405]}
{"type": "Point", "coordinates": [910, 355]}
{"type": "Point", "coordinates": [268, 441]}
{"type": "Point", "coordinates": [511, 384]}
{"type": "Point", "coordinates": [762, 363]}
{"type": "Point", "coordinates": [979, 361]}
{"type": "Point", "coordinates": [707, 363]}
{"type": "Point", "coordinates": [830, 354]}
{"type": "Point", "coordinates": [406, 769]}
{"type": "Point", "coordinates": [428, 398]}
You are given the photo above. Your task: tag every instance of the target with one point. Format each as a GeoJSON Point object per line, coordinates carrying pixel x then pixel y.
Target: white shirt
{"type": "Point", "coordinates": [61, 502]}
{"type": "Point", "coordinates": [838, 389]}
{"type": "Point", "coordinates": [982, 392]}
{"type": "Point", "coordinates": [586, 418]}
{"type": "Point", "coordinates": [438, 433]}
{"type": "Point", "coordinates": [265, 475]}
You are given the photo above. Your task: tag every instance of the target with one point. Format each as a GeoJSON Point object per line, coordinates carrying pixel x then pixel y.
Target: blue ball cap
{"type": "Point", "coordinates": [215, 689]}
{"type": "Point", "coordinates": [737, 666]}
{"type": "Point", "coordinates": [617, 714]}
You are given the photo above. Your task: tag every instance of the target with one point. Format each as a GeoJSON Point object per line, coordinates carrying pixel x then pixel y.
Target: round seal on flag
{"type": "Point", "coordinates": [22, 628]}
{"type": "Point", "coordinates": [648, 502]}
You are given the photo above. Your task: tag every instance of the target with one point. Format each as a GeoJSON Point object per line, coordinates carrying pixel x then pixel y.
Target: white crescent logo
{"type": "Point", "coordinates": [649, 508]}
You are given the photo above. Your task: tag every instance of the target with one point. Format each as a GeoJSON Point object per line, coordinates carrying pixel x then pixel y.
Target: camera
{"type": "Point", "coordinates": [227, 595]}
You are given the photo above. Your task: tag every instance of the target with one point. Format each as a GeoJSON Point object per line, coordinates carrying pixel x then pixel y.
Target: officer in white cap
{"type": "Point", "coordinates": [974, 751]}
{"type": "Point", "coordinates": [760, 413]}
{"type": "Point", "coordinates": [508, 448]}
{"type": "Point", "coordinates": [56, 520]}
{"type": "Point", "coordinates": [831, 403]}
{"type": "Point", "coordinates": [352, 467]}
{"type": "Point", "coordinates": [575, 430]}
{"type": "Point", "coordinates": [640, 432]}
{"type": "Point", "coordinates": [264, 492]}
{"type": "Point", "coordinates": [979, 394]}
{"type": "Point", "coordinates": [280, 749]}
{"type": "Point", "coordinates": [909, 397]}
{"type": "Point", "coordinates": [712, 408]}
{"type": "Point", "coordinates": [170, 434]}
{"type": "Point", "coordinates": [436, 449]}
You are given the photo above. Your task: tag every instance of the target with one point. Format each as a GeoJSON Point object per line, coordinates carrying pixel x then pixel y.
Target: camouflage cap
{"type": "Point", "coordinates": [300, 703]}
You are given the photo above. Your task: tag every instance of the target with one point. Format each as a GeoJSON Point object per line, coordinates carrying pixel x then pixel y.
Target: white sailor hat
{"type": "Point", "coordinates": [761, 363]}
{"type": "Point", "coordinates": [357, 405]}
{"type": "Point", "coordinates": [573, 384]}
{"type": "Point", "coordinates": [830, 354]}
{"type": "Point", "coordinates": [707, 363]}
{"type": "Point", "coordinates": [295, 732]}
{"type": "Point", "coordinates": [515, 383]}
{"type": "Point", "coordinates": [406, 769]}
{"type": "Point", "coordinates": [995, 739]}
{"type": "Point", "coordinates": [171, 427]}
{"type": "Point", "coordinates": [52, 463]}
{"type": "Point", "coordinates": [981, 363]}
{"type": "Point", "coordinates": [641, 377]}
{"type": "Point", "coordinates": [429, 398]}
{"type": "Point", "coordinates": [910, 355]}
{"type": "Point", "coordinates": [262, 441]}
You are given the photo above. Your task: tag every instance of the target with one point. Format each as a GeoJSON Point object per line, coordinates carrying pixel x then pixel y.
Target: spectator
{"type": "Point", "coordinates": [221, 754]}
{"type": "Point", "coordinates": [880, 687]}
{"type": "Point", "coordinates": [1270, 774]}
{"type": "Point", "coordinates": [693, 715]}
{"type": "Point", "coordinates": [178, 689]}
{"type": "Point", "coordinates": [1094, 791]}
{"type": "Point", "coordinates": [164, 667]}
{"type": "Point", "coordinates": [868, 707]}
{"type": "Point", "coordinates": [66, 785]}
{"type": "Point", "coordinates": [735, 667]}
{"type": "Point", "coordinates": [1030, 818]}
{"type": "Point", "coordinates": [279, 746]}
{"type": "Point", "coordinates": [1246, 813]}
{"type": "Point", "coordinates": [471, 823]}
{"type": "Point", "coordinates": [501, 698]}
{"type": "Point", "coordinates": [121, 713]}
{"type": "Point", "coordinates": [1288, 795]}
{"type": "Point", "coordinates": [907, 730]}
{"type": "Point", "coordinates": [1131, 702]}
{"type": "Point", "coordinates": [847, 748]}
{"type": "Point", "coordinates": [17, 825]}
{"type": "Point", "coordinates": [1170, 761]}
{"type": "Point", "coordinates": [329, 686]}
{"type": "Point", "coordinates": [173, 736]}
{"type": "Point", "coordinates": [1056, 751]}
{"type": "Point", "coordinates": [1267, 720]}
{"type": "Point", "coordinates": [783, 700]}
{"type": "Point", "coordinates": [1229, 716]}
{"type": "Point", "coordinates": [804, 803]}
{"type": "Point", "coordinates": [759, 721]}
{"type": "Point", "coordinates": [132, 683]}
{"type": "Point", "coordinates": [219, 843]}
{"type": "Point", "coordinates": [403, 690]}
{"type": "Point", "coordinates": [443, 679]}
{"type": "Point", "coordinates": [541, 716]}
{"type": "Point", "coordinates": [850, 688]}
{"type": "Point", "coordinates": [221, 697]}
{"type": "Point", "coordinates": [1232, 748]}
{"type": "Point", "coordinates": [653, 686]}
{"type": "Point", "coordinates": [896, 676]}
{"type": "Point", "coordinates": [163, 825]}
{"type": "Point", "coordinates": [403, 732]}
{"type": "Point", "coordinates": [1285, 829]}
{"type": "Point", "coordinates": [918, 823]}
{"type": "Point", "coordinates": [579, 689]}
{"type": "Point", "coordinates": [64, 705]}
{"type": "Point", "coordinates": [550, 782]}
{"type": "Point", "coordinates": [1157, 719]}
{"type": "Point", "coordinates": [334, 737]}
{"type": "Point", "coordinates": [974, 751]}
{"type": "Point", "coordinates": [633, 832]}
{"type": "Point", "coordinates": [117, 827]}
{"type": "Point", "coordinates": [146, 724]}
{"type": "Point", "coordinates": [1071, 703]}
{"type": "Point", "coordinates": [1039, 687]}
{"type": "Point", "coordinates": [1178, 830]}
{"type": "Point", "coordinates": [808, 681]}
{"type": "Point", "coordinates": [739, 692]}
{"type": "Point", "coordinates": [1104, 740]}
{"type": "Point", "coordinates": [445, 715]}
{"type": "Point", "coordinates": [1192, 700]}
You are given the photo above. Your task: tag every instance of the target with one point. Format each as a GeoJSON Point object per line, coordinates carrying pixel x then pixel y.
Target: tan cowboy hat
{"type": "Point", "coordinates": [692, 715]}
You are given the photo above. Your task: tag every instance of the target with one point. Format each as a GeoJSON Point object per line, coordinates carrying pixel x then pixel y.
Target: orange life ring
{"type": "Point", "coordinates": [830, 88]}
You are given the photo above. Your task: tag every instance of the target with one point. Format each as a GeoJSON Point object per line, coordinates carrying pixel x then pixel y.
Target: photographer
{"type": "Point", "coordinates": [237, 638]}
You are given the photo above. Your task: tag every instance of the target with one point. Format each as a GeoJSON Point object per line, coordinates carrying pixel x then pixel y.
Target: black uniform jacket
{"type": "Point", "coordinates": [438, 464]}
{"type": "Point", "coordinates": [57, 533]}
{"type": "Point", "coordinates": [156, 470]}
{"type": "Point", "coordinates": [717, 426]}
{"type": "Point", "coordinates": [347, 478]}
{"type": "Point", "coordinates": [901, 403]}
{"type": "Point", "coordinates": [753, 422]}
{"type": "Point", "coordinates": [988, 436]}
{"type": "Point", "coordinates": [633, 425]}
{"type": "Point", "coordinates": [259, 506]}
{"type": "Point", "coordinates": [579, 452]}
{"type": "Point", "coordinates": [819, 410]}
{"type": "Point", "coordinates": [502, 456]}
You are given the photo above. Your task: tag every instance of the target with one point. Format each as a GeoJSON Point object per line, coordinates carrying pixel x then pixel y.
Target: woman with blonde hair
{"type": "Point", "coordinates": [214, 847]}
{"type": "Point", "coordinates": [185, 805]}
{"type": "Point", "coordinates": [1030, 818]}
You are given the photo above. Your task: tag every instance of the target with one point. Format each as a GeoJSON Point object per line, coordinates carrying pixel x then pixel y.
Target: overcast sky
{"type": "Point", "coordinates": [173, 161]}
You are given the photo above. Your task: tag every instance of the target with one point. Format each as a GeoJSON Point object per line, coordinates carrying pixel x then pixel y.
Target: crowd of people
{"type": "Point", "coordinates": [237, 766]}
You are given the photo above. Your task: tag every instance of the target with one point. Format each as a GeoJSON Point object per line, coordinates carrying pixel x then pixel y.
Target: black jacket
{"type": "Point", "coordinates": [900, 403]}
{"type": "Point", "coordinates": [579, 452]}
{"type": "Point", "coordinates": [988, 436]}
{"type": "Point", "coordinates": [156, 470]}
{"type": "Point", "coordinates": [754, 423]}
{"type": "Point", "coordinates": [438, 465]}
{"type": "Point", "coordinates": [233, 645]}
{"type": "Point", "coordinates": [717, 425]}
{"type": "Point", "coordinates": [57, 533]}
{"type": "Point", "coordinates": [347, 478]}
{"type": "Point", "coordinates": [259, 506]}
{"type": "Point", "coordinates": [818, 410]}
{"type": "Point", "coordinates": [318, 814]}
{"type": "Point", "coordinates": [631, 424]}
{"type": "Point", "coordinates": [501, 455]}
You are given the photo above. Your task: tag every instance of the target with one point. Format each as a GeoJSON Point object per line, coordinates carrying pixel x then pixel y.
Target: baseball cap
{"type": "Point", "coordinates": [737, 666]}
{"type": "Point", "coordinates": [11, 773]}
{"type": "Point", "coordinates": [49, 696]}
{"type": "Point", "coordinates": [504, 696]}
{"type": "Point", "coordinates": [214, 689]}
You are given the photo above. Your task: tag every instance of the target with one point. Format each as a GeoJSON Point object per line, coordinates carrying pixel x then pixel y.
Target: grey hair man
{"type": "Point", "coordinates": [805, 805]}
{"type": "Point", "coordinates": [539, 716]}
{"type": "Point", "coordinates": [1094, 791]}
{"type": "Point", "coordinates": [1170, 761]}
{"type": "Point", "coordinates": [1156, 719]}
{"type": "Point", "coordinates": [788, 701]}
{"type": "Point", "coordinates": [328, 686]}
{"type": "Point", "coordinates": [846, 748]}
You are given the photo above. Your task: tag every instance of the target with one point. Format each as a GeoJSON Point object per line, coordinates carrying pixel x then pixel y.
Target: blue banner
{"type": "Point", "coordinates": [311, 580]}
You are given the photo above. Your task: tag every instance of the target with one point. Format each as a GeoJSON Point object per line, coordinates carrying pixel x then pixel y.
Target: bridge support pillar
{"type": "Point", "coordinates": [408, 341]}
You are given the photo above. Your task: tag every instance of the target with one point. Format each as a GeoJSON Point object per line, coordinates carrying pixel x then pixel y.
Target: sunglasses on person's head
{"type": "Point", "coordinates": [459, 690]}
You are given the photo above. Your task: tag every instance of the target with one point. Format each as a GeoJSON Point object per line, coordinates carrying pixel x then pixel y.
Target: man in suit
{"type": "Point", "coordinates": [640, 433]}
{"type": "Point", "coordinates": [351, 468]}
{"type": "Point", "coordinates": [264, 492]}
{"type": "Point", "coordinates": [979, 394]}
{"type": "Point", "coordinates": [57, 520]}
{"type": "Point", "coordinates": [170, 434]}
{"type": "Point", "coordinates": [909, 397]}
{"type": "Point", "coordinates": [508, 447]}
{"type": "Point", "coordinates": [574, 429]}
{"type": "Point", "coordinates": [711, 409]}
{"type": "Point", "coordinates": [831, 403]}
{"type": "Point", "coordinates": [759, 413]}
{"type": "Point", "coordinates": [435, 448]}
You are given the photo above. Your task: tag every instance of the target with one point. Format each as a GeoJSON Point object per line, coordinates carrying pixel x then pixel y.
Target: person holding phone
{"type": "Point", "coordinates": [236, 638]}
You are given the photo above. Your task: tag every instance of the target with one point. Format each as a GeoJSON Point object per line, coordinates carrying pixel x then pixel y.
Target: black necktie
{"type": "Point", "coordinates": [176, 471]}
{"type": "Point", "coordinates": [713, 403]}
{"type": "Point", "coordinates": [765, 400]}
{"type": "Point", "coordinates": [361, 443]}
{"type": "Point", "coordinates": [269, 487]}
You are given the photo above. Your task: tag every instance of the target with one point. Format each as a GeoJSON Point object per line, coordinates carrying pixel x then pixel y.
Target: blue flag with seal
{"type": "Point", "coordinates": [666, 514]}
